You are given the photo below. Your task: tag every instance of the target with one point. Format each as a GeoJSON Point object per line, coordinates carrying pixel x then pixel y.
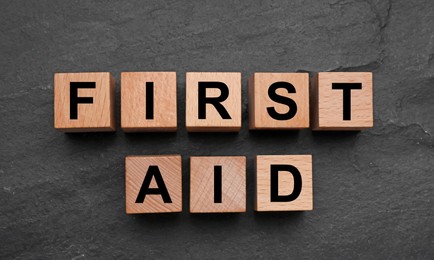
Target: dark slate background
{"type": "Point", "coordinates": [62, 195]}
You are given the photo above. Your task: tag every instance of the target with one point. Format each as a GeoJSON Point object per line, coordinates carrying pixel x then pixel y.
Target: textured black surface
{"type": "Point", "coordinates": [62, 195]}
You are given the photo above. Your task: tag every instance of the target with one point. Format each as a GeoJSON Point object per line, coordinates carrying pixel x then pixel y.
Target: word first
{"type": "Point", "coordinates": [85, 102]}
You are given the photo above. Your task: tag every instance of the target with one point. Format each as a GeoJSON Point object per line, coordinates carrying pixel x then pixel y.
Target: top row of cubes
{"type": "Point", "coordinates": [84, 102]}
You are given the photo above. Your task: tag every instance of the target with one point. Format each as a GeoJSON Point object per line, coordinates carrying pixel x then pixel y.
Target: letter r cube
{"type": "Point", "coordinates": [213, 101]}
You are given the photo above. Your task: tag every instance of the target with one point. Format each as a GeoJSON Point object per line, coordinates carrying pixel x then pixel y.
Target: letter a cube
{"type": "Point", "coordinates": [153, 184]}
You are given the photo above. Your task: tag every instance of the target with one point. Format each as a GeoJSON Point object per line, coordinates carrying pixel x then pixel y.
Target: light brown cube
{"type": "Point", "coordinates": [328, 103]}
{"type": "Point", "coordinates": [213, 121]}
{"type": "Point", "coordinates": [206, 196]}
{"type": "Point", "coordinates": [289, 182]}
{"type": "Point", "coordinates": [98, 90]}
{"type": "Point", "coordinates": [138, 198]}
{"type": "Point", "coordinates": [294, 86]}
{"type": "Point", "coordinates": [148, 113]}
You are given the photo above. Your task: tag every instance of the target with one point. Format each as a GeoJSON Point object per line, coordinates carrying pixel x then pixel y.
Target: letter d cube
{"type": "Point", "coordinates": [283, 183]}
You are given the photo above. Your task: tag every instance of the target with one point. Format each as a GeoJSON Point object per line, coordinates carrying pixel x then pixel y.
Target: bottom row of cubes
{"type": "Point", "coordinates": [218, 183]}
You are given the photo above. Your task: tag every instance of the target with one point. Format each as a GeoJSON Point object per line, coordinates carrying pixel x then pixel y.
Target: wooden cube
{"type": "Point", "coordinates": [213, 101]}
{"type": "Point", "coordinates": [342, 101]}
{"type": "Point", "coordinates": [279, 101]}
{"type": "Point", "coordinates": [218, 184]}
{"type": "Point", "coordinates": [148, 101]}
{"type": "Point", "coordinates": [153, 184]}
{"type": "Point", "coordinates": [84, 102]}
{"type": "Point", "coordinates": [283, 183]}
